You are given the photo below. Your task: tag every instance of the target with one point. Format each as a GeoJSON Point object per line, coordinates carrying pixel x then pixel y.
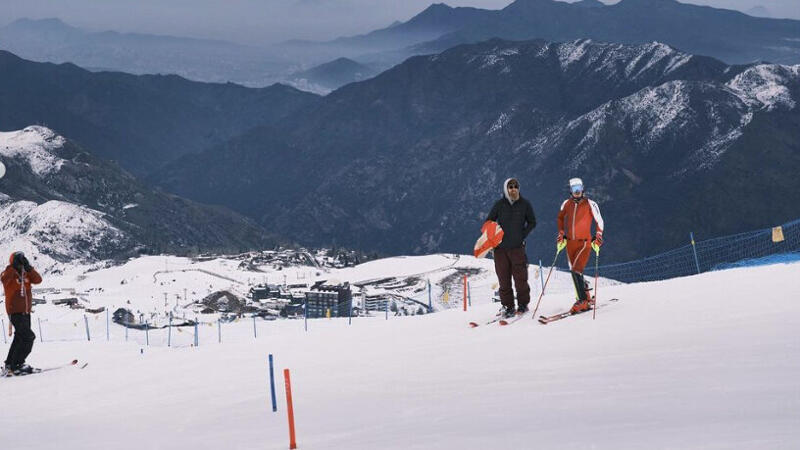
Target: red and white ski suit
{"type": "Point", "coordinates": [575, 221]}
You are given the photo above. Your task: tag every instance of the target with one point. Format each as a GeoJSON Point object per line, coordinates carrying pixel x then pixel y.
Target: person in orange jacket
{"type": "Point", "coordinates": [575, 233]}
{"type": "Point", "coordinates": [17, 280]}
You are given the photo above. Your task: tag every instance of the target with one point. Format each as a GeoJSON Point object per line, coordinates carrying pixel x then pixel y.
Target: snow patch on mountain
{"type": "Point", "coordinates": [634, 61]}
{"type": "Point", "coordinates": [655, 53]}
{"type": "Point", "coordinates": [765, 86]}
{"type": "Point", "coordinates": [653, 110]}
{"type": "Point", "coordinates": [56, 232]}
{"type": "Point", "coordinates": [499, 123]}
{"type": "Point", "coordinates": [653, 114]}
{"type": "Point", "coordinates": [494, 57]}
{"type": "Point", "coordinates": [572, 52]}
{"type": "Point", "coordinates": [36, 145]}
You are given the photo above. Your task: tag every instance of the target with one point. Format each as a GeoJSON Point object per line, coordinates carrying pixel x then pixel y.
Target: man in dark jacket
{"type": "Point", "coordinates": [516, 218]}
{"type": "Point", "coordinates": [17, 280]}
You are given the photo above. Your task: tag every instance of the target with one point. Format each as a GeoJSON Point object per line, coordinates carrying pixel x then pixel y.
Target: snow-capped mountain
{"type": "Point", "coordinates": [411, 160]}
{"type": "Point", "coordinates": [63, 205]}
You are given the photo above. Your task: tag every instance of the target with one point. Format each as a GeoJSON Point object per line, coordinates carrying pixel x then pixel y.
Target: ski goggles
{"type": "Point", "coordinates": [576, 188]}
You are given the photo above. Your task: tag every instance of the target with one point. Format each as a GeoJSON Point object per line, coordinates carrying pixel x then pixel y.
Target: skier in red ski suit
{"type": "Point", "coordinates": [575, 230]}
{"type": "Point", "coordinates": [17, 280]}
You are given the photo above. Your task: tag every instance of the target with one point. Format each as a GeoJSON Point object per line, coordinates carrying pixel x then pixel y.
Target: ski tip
{"type": "Point", "coordinates": [473, 324]}
{"type": "Point", "coordinates": [83, 366]}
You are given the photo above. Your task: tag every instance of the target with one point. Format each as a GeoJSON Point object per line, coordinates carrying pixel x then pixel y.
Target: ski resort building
{"type": "Point", "coordinates": [324, 300]}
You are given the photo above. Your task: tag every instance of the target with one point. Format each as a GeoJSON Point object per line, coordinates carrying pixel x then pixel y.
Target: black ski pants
{"type": "Point", "coordinates": [512, 263]}
{"type": "Point", "coordinates": [22, 344]}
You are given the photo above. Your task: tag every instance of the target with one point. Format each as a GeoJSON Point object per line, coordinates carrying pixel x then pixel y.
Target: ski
{"type": "Point", "coordinates": [74, 362]}
{"type": "Point", "coordinates": [496, 319]}
{"type": "Point", "coordinates": [510, 320]}
{"type": "Point", "coordinates": [544, 320]}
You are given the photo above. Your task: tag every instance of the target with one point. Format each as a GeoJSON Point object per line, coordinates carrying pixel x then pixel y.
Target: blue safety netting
{"type": "Point", "coordinates": [765, 246]}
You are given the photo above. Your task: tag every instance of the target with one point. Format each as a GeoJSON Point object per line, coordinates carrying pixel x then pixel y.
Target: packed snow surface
{"type": "Point", "coordinates": [708, 361]}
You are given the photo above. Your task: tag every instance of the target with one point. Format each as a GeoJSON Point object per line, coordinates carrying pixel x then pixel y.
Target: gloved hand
{"type": "Point", "coordinates": [560, 241]}
{"type": "Point", "coordinates": [597, 241]}
{"type": "Point", "coordinates": [26, 264]}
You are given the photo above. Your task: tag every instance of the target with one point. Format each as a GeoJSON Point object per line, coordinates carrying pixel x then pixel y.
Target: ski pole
{"type": "Point", "coordinates": [596, 277]}
{"type": "Point", "coordinates": [558, 250]}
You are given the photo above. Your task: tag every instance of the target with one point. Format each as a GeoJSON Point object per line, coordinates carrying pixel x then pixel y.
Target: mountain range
{"type": "Point", "coordinates": [141, 121]}
{"type": "Point", "coordinates": [51, 40]}
{"type": "Point", "coordinates": [728, 35]}
{"type": "Point", "coordinates": [411, 160]}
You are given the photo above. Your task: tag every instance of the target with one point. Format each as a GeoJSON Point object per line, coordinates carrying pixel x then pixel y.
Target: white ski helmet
{"type": "Point", "coordinates": [575, 185]}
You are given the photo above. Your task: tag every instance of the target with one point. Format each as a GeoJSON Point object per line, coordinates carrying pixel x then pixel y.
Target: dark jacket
{"type": "Point", "coordinates": [516, 219]}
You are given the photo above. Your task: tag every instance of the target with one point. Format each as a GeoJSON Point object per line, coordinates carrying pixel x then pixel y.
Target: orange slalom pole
{"type": "Point", "coordinates": [289, 409]}
{"type": "Point", "coordinates": [465, 292]}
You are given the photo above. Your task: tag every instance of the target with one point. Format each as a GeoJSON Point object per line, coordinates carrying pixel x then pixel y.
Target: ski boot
{"type": "Point", "coordinates": [580, 306]}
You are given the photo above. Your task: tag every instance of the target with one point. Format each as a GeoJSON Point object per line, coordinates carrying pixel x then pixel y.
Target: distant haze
{"type": "Point", "coordinates": [266, 21]}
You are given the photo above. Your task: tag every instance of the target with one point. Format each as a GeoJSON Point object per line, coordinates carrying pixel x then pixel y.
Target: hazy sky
{"type": "Point", "coordinates": [265, 21]}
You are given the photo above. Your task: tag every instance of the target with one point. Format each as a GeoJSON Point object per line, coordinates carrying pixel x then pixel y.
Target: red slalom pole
{"type": "Point", "coordinates": [596, 277]}
{"type": "Point", "coordinates": [558, 250]}
{"type": "Point", "coordinates": [289, 409]}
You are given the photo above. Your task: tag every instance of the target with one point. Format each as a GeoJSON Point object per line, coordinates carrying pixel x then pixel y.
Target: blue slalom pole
{"type": "Point", "coordinates": [196, 341]}
{"type": "Point", "coordinates": [255, 332]}
{"type": "Point", "coordinates": [305, 314]}
{"type": "Point", "coordinates": [219, 330]}
{"type": "Point", "coordinates": [5, 340]}
{"type": "Point", "coordinates": [41, 336]}
{"type": "Point", "coordinates": [387, 309]}
{"type": "Point", "coordinates": [272, 385]}
{"type": "Point", "coordinates": [694, 249]}
{"type": "Point", "coordinates": [350, 312]}
{"type": "Point", "coordinates": [147, 333]}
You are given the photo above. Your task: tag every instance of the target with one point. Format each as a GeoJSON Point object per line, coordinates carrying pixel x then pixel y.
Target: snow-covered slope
{"type": "Point", "coordinates": [708, 361]}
